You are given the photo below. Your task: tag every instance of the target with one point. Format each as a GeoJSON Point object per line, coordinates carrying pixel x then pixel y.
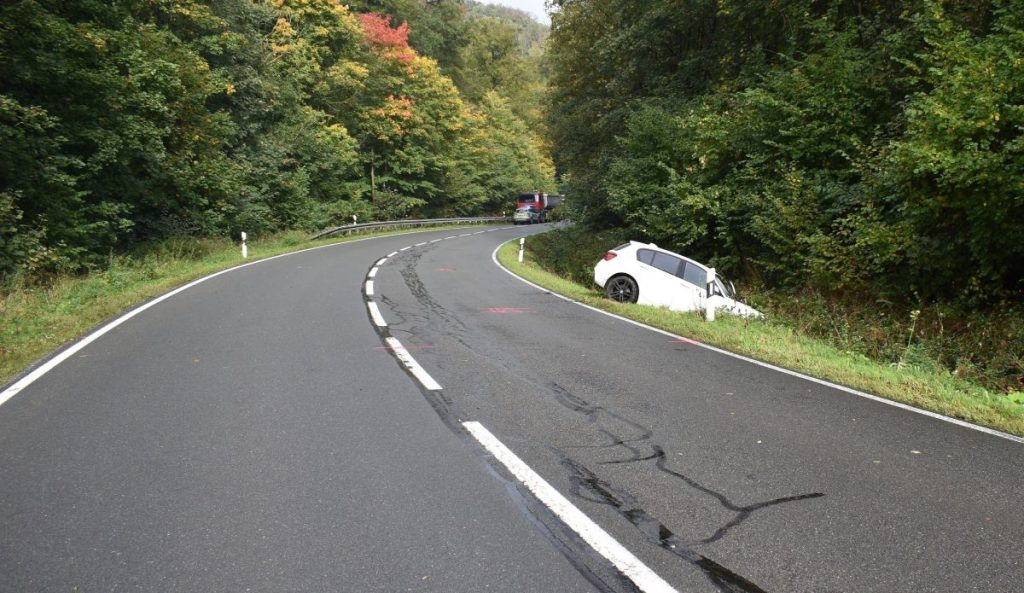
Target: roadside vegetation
{"type": "Point", "coordinates": [857, 166]}
{"type": "Point", "coordinates": [775, 340]}
{"type": "Point", "coordinates": [130, 123]}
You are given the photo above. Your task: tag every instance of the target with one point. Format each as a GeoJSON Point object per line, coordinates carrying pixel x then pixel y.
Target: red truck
{"type": "Point", "coordinates": [533, 206]}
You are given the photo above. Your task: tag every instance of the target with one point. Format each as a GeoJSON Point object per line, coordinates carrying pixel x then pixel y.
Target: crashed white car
{"type": "Point", "coordinates": [649, 275]}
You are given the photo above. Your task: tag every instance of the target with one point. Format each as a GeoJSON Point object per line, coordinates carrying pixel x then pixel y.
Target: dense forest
{"type": "Point", "coordinates": [865, 152]}
{"type": "Point", "coordinates": [858, 164]}
{"type": "Point", "coordinates": [131, 122]}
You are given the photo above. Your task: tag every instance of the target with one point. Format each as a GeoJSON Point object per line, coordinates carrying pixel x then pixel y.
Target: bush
{"type": "Point", "coordinates": [572, 251]}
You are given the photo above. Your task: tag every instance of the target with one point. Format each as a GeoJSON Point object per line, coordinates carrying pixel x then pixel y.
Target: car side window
{"type": "Point", "coordinates": [695, 275]}
{"type": "Point", "coordinates": [645, 256]}
{"type": "Point", "coordinates": [666, 262]}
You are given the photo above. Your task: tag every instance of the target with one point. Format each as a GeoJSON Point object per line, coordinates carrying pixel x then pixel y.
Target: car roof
{"type": "Point", "coordinates": [642, 245]}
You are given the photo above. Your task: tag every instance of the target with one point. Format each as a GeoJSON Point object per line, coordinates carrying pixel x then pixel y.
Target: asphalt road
{"type": "Point", "coordinates": [257, 432]}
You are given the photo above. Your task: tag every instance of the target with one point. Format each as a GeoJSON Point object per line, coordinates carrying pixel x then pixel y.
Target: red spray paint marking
{"type": "Point", "coordinates": [686, 341]}
{"type": "Point", "coordinates": [506, 310]}
{"type": "Point", "coordinates": [446, 270]}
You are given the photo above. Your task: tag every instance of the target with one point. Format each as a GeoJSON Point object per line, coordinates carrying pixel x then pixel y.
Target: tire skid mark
{"type": "Point", "coordinates": [587, 485]}
{"type": "Point", "coordinates": [603, 577]}
{"type": "Point", "coordinates": [590, 487]}
{"type": "Point", "coordinates": [398, 351]}
{"type": "Point", "coordinates": [628, 440]}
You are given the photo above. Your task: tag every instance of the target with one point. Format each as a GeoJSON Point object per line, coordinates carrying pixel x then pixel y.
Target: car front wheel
{"type": "Point", "coordinates": [622, 289]}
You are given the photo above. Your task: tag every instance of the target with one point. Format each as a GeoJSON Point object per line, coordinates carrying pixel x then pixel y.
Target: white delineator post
{"type": "Point", "coordinates": [245, 246]}
{"type": "Point", "coordinates": [522, 245]}
{"type": "Point", "coordinates": [355, 219]}
{"type": "Point", "coordinates": [709, 307]}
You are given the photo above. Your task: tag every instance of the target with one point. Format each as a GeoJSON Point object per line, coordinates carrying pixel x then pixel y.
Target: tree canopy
{"type": "Point", "coordinates": [852, 145]}
{"type": "Point", "coordinates": [129, 122]}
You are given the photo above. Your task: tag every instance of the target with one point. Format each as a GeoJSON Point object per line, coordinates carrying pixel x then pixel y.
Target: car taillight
{"type": "Point", "coordinates": [610, 256]}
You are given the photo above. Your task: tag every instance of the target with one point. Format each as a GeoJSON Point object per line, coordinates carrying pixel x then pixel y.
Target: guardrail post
{"type": "Point", "coordinates": [709, 307]}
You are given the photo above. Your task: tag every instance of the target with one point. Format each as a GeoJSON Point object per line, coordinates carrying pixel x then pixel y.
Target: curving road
{"type": "Point", "coordinates": [289, 426]}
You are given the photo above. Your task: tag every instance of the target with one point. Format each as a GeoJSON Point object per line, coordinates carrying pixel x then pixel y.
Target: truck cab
{"type": "Point", "coordinates": [536, 201]}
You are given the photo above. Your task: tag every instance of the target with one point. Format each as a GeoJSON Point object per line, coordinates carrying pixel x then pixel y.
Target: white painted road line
{"type": "Point", "coordinates": [369, 288]}
{"type": "Point", "coordinates": [77, 347]}
{"type": "Point", "coordinates": [378, 319]}
{"type": "Point", "coordinates": [421, 244]}
{"type": "Point", "coordinates": [373, 272]}
{"type": "Point", "coordinates": [406, 248]}
{"type": "Point", "coordinates": [645, 579]}
{"type": "Point", "coordinates": [381, 262]}
{"type": "Point", "coordinates": [410, 363]}
{"type": "Point", "coordinates": [843, 388]}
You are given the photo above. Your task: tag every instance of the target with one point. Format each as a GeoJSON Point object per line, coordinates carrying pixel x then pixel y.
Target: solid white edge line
{"type": "Point", "coordinates": [792, 373]}
{"type": "Point", "coordinates": [410, 363]}
{"type": "Point", "coordinates": [77, 346]}
{"type": "Point", "coordinates": [369, 288]}
{"type": "Point", "coordinates": [378, 319]}
{"type": "Point", "coordinates": [604, 544]}
{"type": "Point", "coordinates": [373, 272]}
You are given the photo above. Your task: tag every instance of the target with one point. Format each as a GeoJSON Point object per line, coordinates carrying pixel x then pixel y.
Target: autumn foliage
{"type": "Point", "coordinates": [126, 124]}
{"type": "Point", "coordinates": [392, 42]}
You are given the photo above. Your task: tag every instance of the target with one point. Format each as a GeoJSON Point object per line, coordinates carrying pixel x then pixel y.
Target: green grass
{"type": "Point", "coordinates": [781, 345]}
{"type": "Point", "coordinates": [35, 320]}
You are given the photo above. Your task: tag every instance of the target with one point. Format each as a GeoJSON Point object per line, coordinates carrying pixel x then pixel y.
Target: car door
{"type": "Point", "coordinates": [692, 279]}
{"type": "Point", "coordinates": [659, 284]}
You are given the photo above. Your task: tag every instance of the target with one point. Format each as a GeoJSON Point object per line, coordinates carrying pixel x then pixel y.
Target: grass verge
{"type": "Point", "coordinates": [36, 320]}
{"type": "Point", "coordinates": [780, 345]}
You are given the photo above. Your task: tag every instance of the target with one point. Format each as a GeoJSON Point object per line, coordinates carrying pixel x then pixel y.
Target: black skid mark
{"type": "Point", "coordinates": [622, 433]}
{"type": "Point", "coordinates": [637, 454]}
{"type": "Point", "coordinates": [743, 512]}
{"type": "Point", "coordinates": [420, 292]}
{"type": "Point", "coordinates": [399, 316]}
{"type": "Point", "coordinates": [587, 486]}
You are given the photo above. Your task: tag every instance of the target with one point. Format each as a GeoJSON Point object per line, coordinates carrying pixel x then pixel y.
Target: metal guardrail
{"type": "Point", "coordinates": [352, 228]}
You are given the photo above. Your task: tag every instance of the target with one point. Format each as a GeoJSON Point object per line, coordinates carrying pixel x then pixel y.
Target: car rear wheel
{"type": "Point", "coordinates": [622, 289]}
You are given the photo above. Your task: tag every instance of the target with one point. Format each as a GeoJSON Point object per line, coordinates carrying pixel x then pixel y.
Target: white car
{"type": "Point", "coordinates": [649, 275]}
{"type": "Point", "coordinates": [527, 215]}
